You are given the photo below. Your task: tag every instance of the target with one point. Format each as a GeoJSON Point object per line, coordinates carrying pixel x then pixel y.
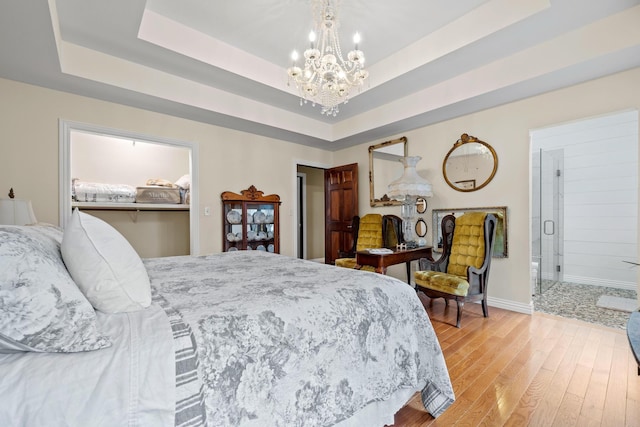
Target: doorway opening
{"type": "Point", "coordinates": [584, 212]}
{"type": "Point", "coordinates": [103, 147]}
{"type": "Point", "coordinates": [310, 212]}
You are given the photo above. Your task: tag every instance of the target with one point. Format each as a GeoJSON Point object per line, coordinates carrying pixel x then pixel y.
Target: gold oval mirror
{"type": "Point", "coordinates": [421, 205]}
{"type": "Point", "coordinates": [470, 164]}
{"type": "Point", "coordinates": [421, 227]}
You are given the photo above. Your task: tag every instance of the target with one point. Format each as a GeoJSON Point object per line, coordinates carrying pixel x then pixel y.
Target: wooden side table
{"type": "Point", "coordinates": [382, 261]}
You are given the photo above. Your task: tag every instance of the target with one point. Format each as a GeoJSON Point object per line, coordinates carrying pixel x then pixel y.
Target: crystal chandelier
{"type": "Point", "coordinates": [326, 78]}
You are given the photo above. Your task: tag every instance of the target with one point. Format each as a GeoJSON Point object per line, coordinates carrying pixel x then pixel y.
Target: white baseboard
{"type": "Point", "coordinates": [510, 305]}
{"type": "Point", "coordinates": [600, 282]}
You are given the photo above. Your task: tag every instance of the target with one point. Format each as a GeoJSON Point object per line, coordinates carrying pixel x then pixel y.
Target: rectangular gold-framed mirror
{"type": "Point", "coordinates": [384, 167]}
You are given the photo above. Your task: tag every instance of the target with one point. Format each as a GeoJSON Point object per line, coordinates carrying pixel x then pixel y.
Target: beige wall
{"type": "Point", "coordinates": [103, 159]}
{"type": "Point", "coordinates": [506, 128]}
{"type": "Point", "coordinates": [232, 160]}
{"type": "Point", "coordinates": [229, 159]}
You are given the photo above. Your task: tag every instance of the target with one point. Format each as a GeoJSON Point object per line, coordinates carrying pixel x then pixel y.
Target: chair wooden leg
{"type": "Point", "coordinates": [459, 317]}
{"type": "Point", "coordinates": [485, 308]}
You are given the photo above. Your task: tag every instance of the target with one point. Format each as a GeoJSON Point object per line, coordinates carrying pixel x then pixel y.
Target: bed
{"type": "Point", "coordinates": [245, 338]}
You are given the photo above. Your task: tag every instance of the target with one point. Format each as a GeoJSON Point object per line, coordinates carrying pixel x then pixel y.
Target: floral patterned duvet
{"type": "Point", "coordinates": [288, 342]}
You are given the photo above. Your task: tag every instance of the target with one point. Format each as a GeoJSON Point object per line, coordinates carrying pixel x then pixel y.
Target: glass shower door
{"type": "Point", "coordinates": [547, 217]}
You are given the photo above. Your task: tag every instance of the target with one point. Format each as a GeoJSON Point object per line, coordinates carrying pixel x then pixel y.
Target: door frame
{"type": "Point", "coordinates": [293, 213]}
{"type": "Point", "coordinates": [64, 177]}
{"type": "Point", "coordinates": [301, 205]}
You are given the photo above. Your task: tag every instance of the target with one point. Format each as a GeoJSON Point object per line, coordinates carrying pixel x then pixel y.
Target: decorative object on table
{"type": "Point", "coordinates": [470, 164]}
{"type": "Point", "coordinates": [407, 189]}
{"type": "Point", "coordinates": [326, 78]}
{"type": "Point", "coordinates": [16, 211]}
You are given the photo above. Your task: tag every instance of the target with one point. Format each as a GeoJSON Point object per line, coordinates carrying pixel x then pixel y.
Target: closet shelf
{"type": "Point", "coordinates": [129, 206]}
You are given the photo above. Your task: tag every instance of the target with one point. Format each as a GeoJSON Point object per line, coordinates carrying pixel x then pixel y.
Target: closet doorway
{"type": "Point", "coordinates": [113, 156]}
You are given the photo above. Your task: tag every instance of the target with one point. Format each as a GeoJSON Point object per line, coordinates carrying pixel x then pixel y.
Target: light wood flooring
{"type": "Point", "coordinates": [513, 369]}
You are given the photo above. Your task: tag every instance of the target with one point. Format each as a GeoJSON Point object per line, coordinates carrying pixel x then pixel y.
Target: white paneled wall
{"type": "Point", "coordinates": [600, 199]}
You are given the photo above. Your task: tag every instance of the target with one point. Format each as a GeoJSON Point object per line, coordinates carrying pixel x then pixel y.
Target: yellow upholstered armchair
{"type": "Point", "coordinates": [371, 231]}
{"type": "Point", "coordinates": [462, 271]}
{"type": "Point", "coordinates": [368, 234]}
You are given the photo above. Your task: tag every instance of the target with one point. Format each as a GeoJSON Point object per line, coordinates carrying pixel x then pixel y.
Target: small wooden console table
{"type": "Point", "coordinates": [382, 261]}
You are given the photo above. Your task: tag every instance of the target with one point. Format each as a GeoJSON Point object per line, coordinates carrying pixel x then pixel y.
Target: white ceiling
{"type": "Point", "coordinates": [224, 62]}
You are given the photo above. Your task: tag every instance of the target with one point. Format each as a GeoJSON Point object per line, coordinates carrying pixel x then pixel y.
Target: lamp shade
{"type": "Point", "coordinates": [16, 212]}
{"type": "Point", "coordinates": [410, 183]}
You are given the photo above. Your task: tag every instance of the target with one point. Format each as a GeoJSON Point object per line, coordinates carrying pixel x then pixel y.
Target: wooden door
{"type": "Point", "coordinates": [341, 204]}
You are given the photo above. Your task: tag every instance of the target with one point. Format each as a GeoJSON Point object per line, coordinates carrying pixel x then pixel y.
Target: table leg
{"type": "Point", "coordinates": [408, 272]}
{"type": "Point", "coordinates": [381, 269]}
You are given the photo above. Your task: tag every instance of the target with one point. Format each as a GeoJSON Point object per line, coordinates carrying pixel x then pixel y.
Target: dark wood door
{"type": "Point", "coordinates": [341, 204]}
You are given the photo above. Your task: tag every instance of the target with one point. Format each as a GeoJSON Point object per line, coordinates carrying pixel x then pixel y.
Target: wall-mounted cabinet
{"type": "Point", "coordinates": [250, 221]}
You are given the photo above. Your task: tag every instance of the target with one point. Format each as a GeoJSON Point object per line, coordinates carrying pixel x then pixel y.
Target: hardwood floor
{"type": "Point", "coordinates": [513, 369]}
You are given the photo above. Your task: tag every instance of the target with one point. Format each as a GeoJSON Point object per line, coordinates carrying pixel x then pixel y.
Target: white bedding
{"type": "Point", "coordinates": [98, 192]}
{"type": "Point", "coordinates": [259, 339]}
{"type": "Point", "coordinates": [131, 383]}
{"type": "Point", "coordinates": [287, 342]}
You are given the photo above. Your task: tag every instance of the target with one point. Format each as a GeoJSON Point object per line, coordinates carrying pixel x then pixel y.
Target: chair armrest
{"type": "Point", "coordinates": [477, 271]}
{"type": "Point", "coordinates": [428, 263]}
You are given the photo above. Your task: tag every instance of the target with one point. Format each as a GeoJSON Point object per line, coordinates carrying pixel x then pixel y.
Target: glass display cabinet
{"type": "Point", "coordinates": [250, 221]}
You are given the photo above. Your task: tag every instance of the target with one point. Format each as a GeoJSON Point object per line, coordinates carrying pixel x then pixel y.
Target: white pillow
{"type": "Point", "coordinates": [104, 265]}
{"type": "Point", "coordinates": [41, 308]}
{"type": "Point", "coordinates": [184, 182]}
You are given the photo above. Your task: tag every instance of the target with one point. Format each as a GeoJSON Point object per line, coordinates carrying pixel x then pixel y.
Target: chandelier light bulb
{"type": "Point", "coordinates": [294, 56]}
{"type": "Point", "coordinates": [326, 77]}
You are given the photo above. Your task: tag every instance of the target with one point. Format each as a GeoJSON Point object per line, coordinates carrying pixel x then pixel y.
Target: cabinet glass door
{"type": "Point", "coordinates": [260, 226]}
